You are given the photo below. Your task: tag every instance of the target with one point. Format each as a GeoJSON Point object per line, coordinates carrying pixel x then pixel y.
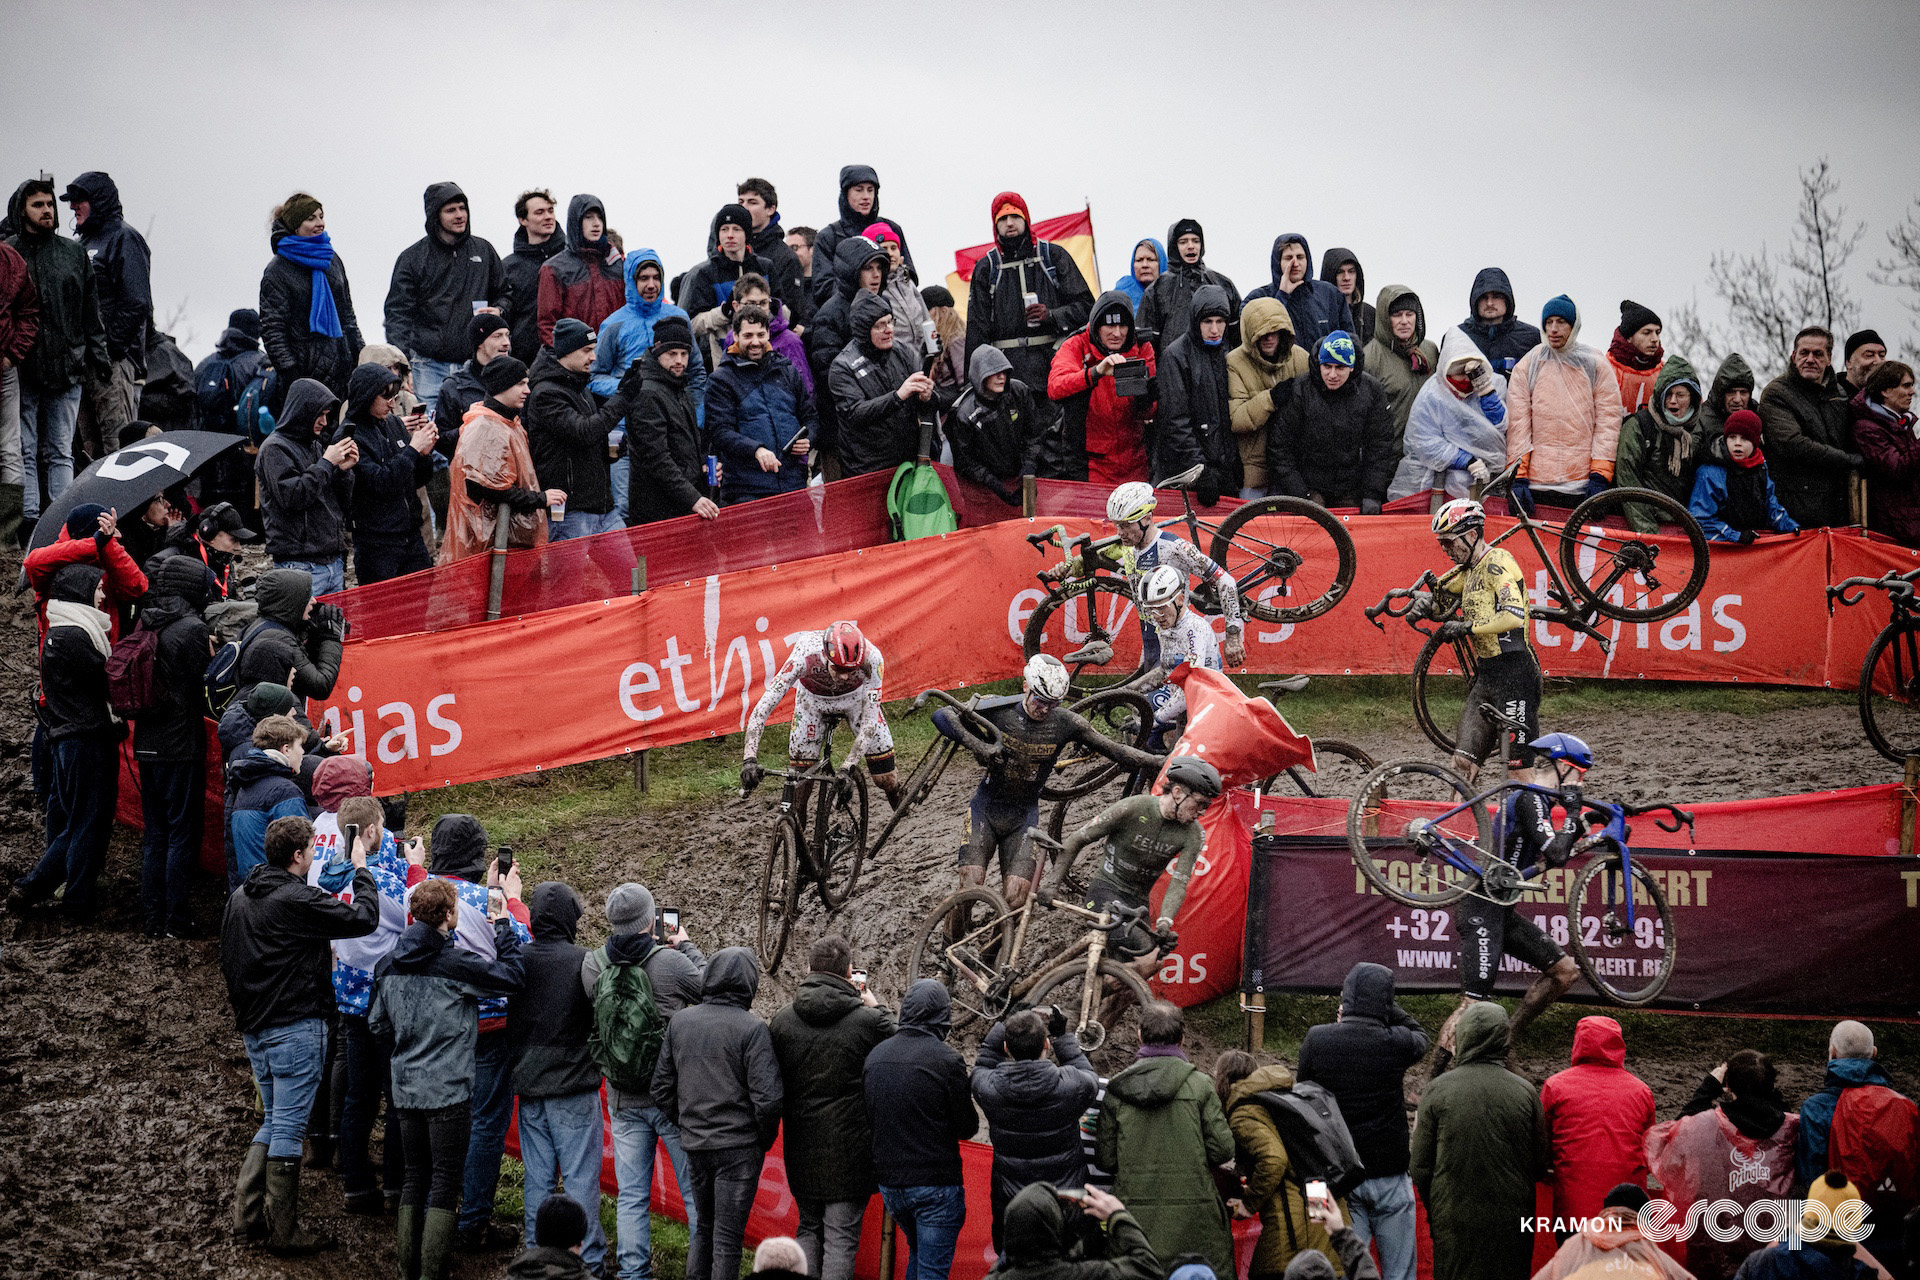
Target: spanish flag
{"type": "Point", "coordinates": [1073, 232]}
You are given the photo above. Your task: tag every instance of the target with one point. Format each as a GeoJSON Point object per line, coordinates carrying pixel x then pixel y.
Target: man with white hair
{"type": "Point", "coordinates": [1852, 1063]}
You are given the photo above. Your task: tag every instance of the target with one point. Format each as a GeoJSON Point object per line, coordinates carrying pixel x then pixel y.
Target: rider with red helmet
{"type": "Point", "coordinates": [833, 673]}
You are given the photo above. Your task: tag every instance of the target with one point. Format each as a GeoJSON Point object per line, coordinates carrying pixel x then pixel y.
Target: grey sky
{"type": "Point", "coordinates": [1601, 150]}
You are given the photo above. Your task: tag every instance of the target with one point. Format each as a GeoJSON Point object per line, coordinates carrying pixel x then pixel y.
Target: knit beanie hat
{"type": "Point", "coordinates": [246, 320]}
{"type": "Point", "coordinates": [936, 295]}
{"type": "Point", "coordinates": [1744, 423]}
{"type": "Point", "coordinates": [481, 325]}
{"type": "Point", "coordinates": [880, 233]}
{"type": "Point", "coordinates": [630, 908]}
{"type": "Point", "coordinates": [298, 208]}
{"type": "Point", "coordinates": [1855, 341]}
{"type": "Point", "coordinates": [569, 335]}
{"type": "Point", "coordinates": [1337, 348]}
{"type": "Point", "coordinates": [672, 331]}
{"type": "Point", "coordinates": [1562, 307]}
{"type": "Point", "coordinates": [1405, 302]}
{"type": "Point", "coordinates": [502, 375]}
{"type": "Point", "coordinates": [1634, 318]}
{"type": "Point", "coordinates": [734, 215]}
{"type": "Point", "coordinates": [1831, 1189]}
{"type": "Point", "coordinates": [84, 520]}
{"type": "Point", "coordinates": [1011, 202]}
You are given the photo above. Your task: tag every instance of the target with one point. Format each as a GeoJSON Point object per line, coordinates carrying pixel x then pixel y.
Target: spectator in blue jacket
{"type": "Point", "coordinates": [1852, 1062]}
{"type": "Point", "coordinates": [1315, 307]}
{"type": "Point", "coordinates": [761, 419]}
{"type": "Point", "coordinates": [265, 782]}
{"type": "Point", "coordinates": [396, 460]}
{"type": "Point", "coordinates": [626, 335]}
{"type": "Point", "coordinates": [1149, 260]}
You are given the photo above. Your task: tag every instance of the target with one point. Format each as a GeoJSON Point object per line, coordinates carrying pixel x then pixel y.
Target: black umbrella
{"type": "Point", "coordinates": [128, 478]}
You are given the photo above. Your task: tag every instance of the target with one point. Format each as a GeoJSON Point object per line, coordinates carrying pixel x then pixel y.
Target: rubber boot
{"type": "Point", "coordinates": [13, 501]}
{"type": "Point", "coordinates": [436, 1243]}
{"type": "Point", "coordinates": [250, 1196]}
{"type": "Point", "coordinates": [287, 1237]}
{"type": "Point", "coordinates": [407, 1230]}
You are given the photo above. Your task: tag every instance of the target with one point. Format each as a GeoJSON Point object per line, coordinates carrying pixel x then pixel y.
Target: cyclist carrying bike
{"type": "Point", "coordinates": [1490, 930]}
{"type": "Point", "coordinates": [1142, 549]}
{"type": "Point", "coordinates": [1144, 836]}
{"type": "Point", "coordinates": [833, 673]}
{"type": "Point", "coordinates": [1493, 602]}
{"type": "Point", "coordinates": [1035, 728]}
{"type": "Point", "coordinates": [1181, 636]}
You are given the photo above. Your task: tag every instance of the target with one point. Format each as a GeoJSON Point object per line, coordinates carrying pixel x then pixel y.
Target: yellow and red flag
{"type": "Point", "coordinates": [1072, 232]}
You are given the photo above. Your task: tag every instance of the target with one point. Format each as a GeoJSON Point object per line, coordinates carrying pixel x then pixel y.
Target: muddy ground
{"type": "Point", "coordinates": [124, 1091]}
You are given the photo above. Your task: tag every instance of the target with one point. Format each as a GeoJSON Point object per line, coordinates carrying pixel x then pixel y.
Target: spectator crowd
{"type": "Point", "coordinates": [580, 386]}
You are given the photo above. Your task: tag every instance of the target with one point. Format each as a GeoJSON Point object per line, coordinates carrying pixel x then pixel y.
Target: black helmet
{"type": "Point", "coordinates": [1195, 775]}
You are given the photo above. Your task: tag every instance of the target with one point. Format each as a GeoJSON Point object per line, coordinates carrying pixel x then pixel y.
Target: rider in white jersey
{"type": "Point", "coordinates": [833, 673]}
{"type": "Point", "coordinates": [1180, 635]}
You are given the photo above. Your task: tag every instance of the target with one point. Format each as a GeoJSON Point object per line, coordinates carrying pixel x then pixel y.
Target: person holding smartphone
{"type": "Point", "coordinates": [760, 415]}
{"type": "Point", "coordinates": [1046, 1226]}
{"type": "Point", "coordinates": [396, 460]}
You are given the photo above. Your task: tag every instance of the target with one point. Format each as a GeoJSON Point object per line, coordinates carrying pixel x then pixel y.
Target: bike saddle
{"type": "Point", "coordinates": [1185, 480]}
{"type": "Point", "coordinates": [1096, 653]}
{"type": "Point", "coordinates": [1286, 684]}
{"type": "Point", "coordinates": [1499, 482]}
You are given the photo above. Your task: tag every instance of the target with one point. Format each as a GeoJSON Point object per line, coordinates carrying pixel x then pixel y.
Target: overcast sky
{"type": "Point", "coordinates": [1601, 150]}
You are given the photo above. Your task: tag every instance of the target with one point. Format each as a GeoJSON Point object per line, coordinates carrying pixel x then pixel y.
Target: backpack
{"type": "Point", "coordinates": [917, 503]}
{"type": "Point", "coordinates": [222, 679]}
{"type": "Point", "coordinates": [253, 413]}
{"type": "Point", "coordinates": [1042, 249]}
{"type": "Point", "coordinates": [133, 675]}
{"type": "Point", "coordinates": [1875, 1141]}
{"type": "Point", "coordinates": [214, 394]}
{"type": "Point", "coordinates": [628, 1025]}
{"type": "Point", "coordinates": [1314, 1134]}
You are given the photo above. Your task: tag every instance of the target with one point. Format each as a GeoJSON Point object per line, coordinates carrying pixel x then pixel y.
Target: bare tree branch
{"type": "Point", "coordinates": [1902, 270]}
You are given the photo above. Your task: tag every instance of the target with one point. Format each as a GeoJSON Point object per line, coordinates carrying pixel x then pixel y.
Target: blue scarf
{"type": "Point", "coordinates": [315, 252]}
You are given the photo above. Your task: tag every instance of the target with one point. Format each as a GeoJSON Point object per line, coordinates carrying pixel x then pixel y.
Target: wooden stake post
{"type": "Point", "coordinates": [1909, 788]}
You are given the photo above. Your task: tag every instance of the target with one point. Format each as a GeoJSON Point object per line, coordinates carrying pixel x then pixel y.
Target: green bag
{"type": "Point", "coordinates": [628, 1026]}
{"type": "Point", "coordinates": [917, 503]}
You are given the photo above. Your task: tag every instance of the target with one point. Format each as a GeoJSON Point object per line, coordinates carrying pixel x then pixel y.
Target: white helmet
{"type": "Point", "coordinates": [1131, 501]}
{"type": "Point", "coordinates": [1457, 517]}
{"type": "Point", "coordinates": [1046, 675]}
{"type": "Point", "coordinates": [1164, 585]}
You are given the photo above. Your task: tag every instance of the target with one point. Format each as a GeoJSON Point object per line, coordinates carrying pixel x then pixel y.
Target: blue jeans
{"type": "Point", "coordinates": [492, 1110]}
{"type": "Point", "coordinates": [637, 1133]}
{"type": "Point", "coordinates": [82, 778]}
{"type": "Point", "coordinates": [287, 1062]}
{"type": "Point", "coordinates": [47, 423]}
{"type": "Point", "coordinates": [428, 375]}
{"type": "Point", "coordinates": [173, 798]}
{"type": "Point", "coordinates": [328, 575]}
{"type": "Point", "coordinates": [584, 524]}
{"type": "Point", "coordinates": [1382, 1211]}
{"type": "Point", "coordinates": [617, 472]}
{"type": "Point", "coordinates": [565, 1133]}
{"type": "Point", "coordinates": [931, 1217]}
{"type": "Point", "coordinates": [10, 425]}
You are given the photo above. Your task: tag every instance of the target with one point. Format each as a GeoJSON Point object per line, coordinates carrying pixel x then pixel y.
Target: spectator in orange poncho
{"type": "Point", "coordinates": [492, 467]}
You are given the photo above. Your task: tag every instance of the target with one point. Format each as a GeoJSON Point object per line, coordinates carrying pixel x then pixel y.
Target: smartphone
{"type": "Point", "coordinates": [859, 978]}
{"type": "Point", "coordinates": [505, 856]}
{"type": "Point", "coordinates": [1317, 1194]}
{"type": "Point", "coordinates": [1071, 1194]}
{"type": "Point", "coordinates": [348, 834]}
{"type": "Point", "coordinates": [669, 918]}
{"type": "Point", "coordinates": [496, 902]}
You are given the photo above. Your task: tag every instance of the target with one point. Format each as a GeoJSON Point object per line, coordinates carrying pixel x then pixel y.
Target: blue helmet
{"type": "Point", "coordinates": [1564, 746]}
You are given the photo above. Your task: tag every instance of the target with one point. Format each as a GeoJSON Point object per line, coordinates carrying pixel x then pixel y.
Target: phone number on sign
{"type": "Point", "coordinates": [1436, 926]}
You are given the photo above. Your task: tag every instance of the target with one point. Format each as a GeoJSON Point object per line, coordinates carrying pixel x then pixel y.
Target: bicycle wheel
{"type": "Point", "coordinates": [1292, 559]}
{"type": "Point", "coordinates": [1627, 965]}
{"type": "Point", "coordinates": [840, 835]}
{"type": "Point", "coordinates": [1399, 802]}
{"type": "Point", "coordinates": [1442, 674]}
{"type": "Point", "coordinates": [1608, 550]}
{"type": "Point", "coordinates": [779, 894]}
{"type": "Point", "coordinates": [1119, 714]}
{"type": "Point", "coordinates": [1087, 1013]}
{"type": "Point", "coordinates": [1890, 693]}
{"type": "Point", "coordinates": [1339, 768]}
{"type": "Point", "coordinates": [1100, 611]}
{"type": "Point", "coordinates": [964, 946]}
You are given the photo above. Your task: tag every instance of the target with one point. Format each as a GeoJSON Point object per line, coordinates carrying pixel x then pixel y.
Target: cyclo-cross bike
{"type": "Point", "coordinates": [1890, 676]}
{"type": "Point", "coordinates": [973, 943]}
{"type": "Point", "coordinates": [829, 856]}
{"type": "Point", "coordinates": [1292, 560]}
{"type": "Point", "coordinates": [1606, 568]}
{"type": "Point", "coordinates": [1421, 835]}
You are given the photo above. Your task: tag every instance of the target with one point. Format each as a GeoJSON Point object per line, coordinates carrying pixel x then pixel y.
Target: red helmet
{"type": "Point", "coordinates": [846, 647]}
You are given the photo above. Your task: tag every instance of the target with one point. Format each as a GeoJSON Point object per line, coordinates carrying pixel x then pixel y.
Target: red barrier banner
{"type": "Point", "coordinates": [1758, 933]}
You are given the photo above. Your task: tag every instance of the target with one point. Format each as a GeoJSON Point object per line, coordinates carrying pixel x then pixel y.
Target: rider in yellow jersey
{"type": "Point", "coordinates": [1493, 602]}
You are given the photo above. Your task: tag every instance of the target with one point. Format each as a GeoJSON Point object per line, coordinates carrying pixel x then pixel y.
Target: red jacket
{"type": "Point", "coordinates": [125, 582]}
{"type": "Point", "coordinates": [1115, 443]}
{"type": "Point", "coordinates": [1598, 1114]}
{"type": "Point", "coordinates": [19, 306]}
{"type": "Point", "coordinates": [587, 291]}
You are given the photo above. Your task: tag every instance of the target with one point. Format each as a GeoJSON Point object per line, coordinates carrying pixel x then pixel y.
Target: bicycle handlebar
{"type": "Point", "coordinates": [991, 739]}
{"type": "Point", "coordinates": [1899, 586]}
{"type": "Point", "coordinates": [1679, 815]}
{"type": "Point", "coordinates": [1385, 605]}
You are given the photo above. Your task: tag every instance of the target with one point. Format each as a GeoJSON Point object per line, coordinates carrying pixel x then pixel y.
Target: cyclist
{"type": "Point", "coordinates": [1490, 930]}
{"type": "Point", "coordinates": [1180, 636]}
{"type": "Point", "coordinates": [1493, 600]}
{"type": "Point", "coordinates": [1145, 835]}
{"type": "Point", "coordinates": [1034, 730]}
{"type": "Point", "coordinates": [838, 673]}
{"type": "Point", "coordinates": [1142, 548]}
